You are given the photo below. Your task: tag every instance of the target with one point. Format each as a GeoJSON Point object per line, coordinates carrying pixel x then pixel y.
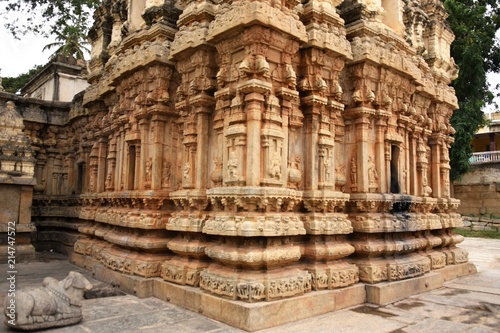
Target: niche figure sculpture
{"type": "Point", "coordinates": [57, 303]}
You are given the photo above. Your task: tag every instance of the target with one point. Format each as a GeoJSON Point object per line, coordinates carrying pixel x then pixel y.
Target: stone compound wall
{"type": "Point", "coordinates": [481, 223]}
{"type": "Point", "coordinates": [259, 150]}
{"type": "Point", "coordinates": [479, 191]}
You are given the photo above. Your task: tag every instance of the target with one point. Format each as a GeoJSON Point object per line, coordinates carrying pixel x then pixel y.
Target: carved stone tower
{"type": "Point", "coordinates": [246, 151]}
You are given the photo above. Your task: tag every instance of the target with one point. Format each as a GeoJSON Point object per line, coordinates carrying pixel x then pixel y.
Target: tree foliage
{"type": "Point", "coordinates": [14, 84]}
{"type": "Point", "coordinates": [70, 42]}
{"type": "Point", "coordinates": [22, 16]}
{"type": "Point", "coordinates": [476, 52]}
{"type": "Point", "coordinates": [66, 20]}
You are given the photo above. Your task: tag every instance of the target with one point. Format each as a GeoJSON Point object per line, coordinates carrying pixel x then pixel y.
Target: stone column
{"type": "Point", "coordinates": [101, 165]}
{"type": "Point", "coordinates": [312, 119]}
{"type": "Point", "coordinates": [380, 128]}
{"type": "Point", "coordinates": [158, 123]}
{"type": "Point", "coordinates": [254, 107]}
{"type": "Point", "coordinates": [202, 109]}
{"type": "Point", "coordinates": [435, 144]}
{"type": "Point", "coordinates": [362, 152]}
{"type": "Point", "coordinates": [143, 157]}
{"type": "Point", "coordinates": [48, 170]}
{"type": "Point", "coordinates": [71, 184]}
{"type": "Point", "coordinates": [138, 168]}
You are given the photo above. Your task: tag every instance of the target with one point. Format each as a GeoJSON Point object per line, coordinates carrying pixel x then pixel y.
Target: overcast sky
{"type": "Point", "coordinates": [19, 56]}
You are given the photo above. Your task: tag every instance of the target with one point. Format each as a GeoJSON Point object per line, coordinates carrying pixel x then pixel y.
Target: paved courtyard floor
{"type": "Point", "coordinates": [467, 304]}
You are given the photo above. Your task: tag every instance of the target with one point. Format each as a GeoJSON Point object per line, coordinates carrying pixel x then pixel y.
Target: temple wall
{"type": "Point", "coordinates": [255, 158]}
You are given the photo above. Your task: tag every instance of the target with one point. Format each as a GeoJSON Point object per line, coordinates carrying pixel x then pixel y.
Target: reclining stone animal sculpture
{"type": "Point", "coordinates": [57, 303]}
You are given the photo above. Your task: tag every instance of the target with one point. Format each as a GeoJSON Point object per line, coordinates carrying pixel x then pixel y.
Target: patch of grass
{"type": "Point", "coordinates": [478, 233]}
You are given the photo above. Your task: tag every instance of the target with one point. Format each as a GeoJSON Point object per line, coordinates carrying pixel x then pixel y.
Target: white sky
{"type": "Point", "coordinates": [19, 56]}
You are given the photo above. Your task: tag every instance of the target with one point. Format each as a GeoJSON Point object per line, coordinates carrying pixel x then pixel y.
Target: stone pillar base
{"type": "Point", "coordinates": [389, 292]}
{"type": "Point", "coordinates": [261, 315]}
{"type": "Point", "coordinates": [332, 275]}
{"type": "Point", "coordinates": [183, 271]}
{"type": "Point", "coordinates": [129, 262]}
{"type": "Point", "coordinates": [378, 269]}
{"type": "Point", "coordinates": [250, 286]}
{"type": "Point", "coordinates": [23, 253]}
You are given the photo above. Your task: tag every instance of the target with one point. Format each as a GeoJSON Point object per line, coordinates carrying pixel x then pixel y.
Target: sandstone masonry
{"type": "Point", "coordinates": [259, 150]}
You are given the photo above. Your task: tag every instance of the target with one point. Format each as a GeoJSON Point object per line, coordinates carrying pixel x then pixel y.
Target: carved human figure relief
{"type": "Point", "coordinates": [232, 166]}
{"type": "Point", "coordinates": [372, 172]}
{"type": "Point", "coordinates": [354, 172]}
{"type": "Point", "coordinates": [275, 166]}
{"type": "Point", "coordinates": [221, 78]}
{"type": "Point", "coordinates": [149, 164]}
{"type": "Point", "coordinates": [216, 174]}
{"type": "Point", "coordinates": [186, 171]}
{"type": "Point", "coordinates": [166, 173]}
{"type": "Point", "coordinates": [427, 190]}
{"type": "Point", "coordinates": [294, 173]}
{"type": "Point", "coordinates": [108, 182]}
{"type": "Point", "coordinates": [291, 77]}
{"type": "Point", "coordinates": [326, 163]}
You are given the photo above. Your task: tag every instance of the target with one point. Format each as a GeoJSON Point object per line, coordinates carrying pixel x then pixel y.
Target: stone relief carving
{"type": "Point", "coordinates": [232, 166]}
{"type": "Point", "coordinates": [260, 133]}
{"type": "Point", "coordinates": [57, 303]}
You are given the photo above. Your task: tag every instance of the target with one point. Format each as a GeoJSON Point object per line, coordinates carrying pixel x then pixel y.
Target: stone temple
{"type": "Point", "coordinates": [248, 158]}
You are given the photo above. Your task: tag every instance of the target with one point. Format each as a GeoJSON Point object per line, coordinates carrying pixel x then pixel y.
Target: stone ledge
{"type": "Point", "coordinates": [131, 284]}
{"type": "Point", "coordinates": [389, 292]}
{"type": "Point", "coordinates": [260, 315]}
{"type": "Point", "coordinates": [256, 316]}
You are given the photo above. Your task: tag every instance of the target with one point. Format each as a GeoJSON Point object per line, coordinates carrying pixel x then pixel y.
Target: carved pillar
{"type": "Point", "coordinates": [202, 104]}
{"type": "Point", "coordinates": [40, 175]}
{"type": "Point", "coordinates": [435, 144]}
{"type": "Point", "coordinates": [119, 180]}
{"type": "Point", "coordinates": [311, 118]}
{"type": "Point", "coordinates": [144, 156]}
{"type": "Point", "coordinates": [254, 107]}
{"type": "Point", "coordinates": [101, 165]}
{"type": "Point", "coordinates": [362, 152]}
{"type": "Point", "coordinates": [48, 170]}
{"type": "Point", "coordinates": [158, 123]}
{"type": "Point", "coordinates": [380, 128]}
{"type": "Point", "coordinates": [111, 163]}
{"type": "Point", "coordinates": [71, 179]}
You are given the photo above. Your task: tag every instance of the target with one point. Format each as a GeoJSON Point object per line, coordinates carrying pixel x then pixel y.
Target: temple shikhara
{"type": "Point", "coordinates": [229, 152]}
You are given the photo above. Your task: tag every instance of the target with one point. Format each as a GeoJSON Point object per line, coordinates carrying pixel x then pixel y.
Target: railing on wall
{"type": "Point", "coordinates": [485, 157]}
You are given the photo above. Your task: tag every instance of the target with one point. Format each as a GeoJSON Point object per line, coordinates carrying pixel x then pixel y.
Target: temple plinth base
{"type": "Point", "coordinates": [374, 270]}
{"type": "Point", "coordinates": [251, 286]}
{"type": "Point", "coordinates": [260, 315]}
{"type": "Point", "coordinates": [389, 292]}
{"type": "Point", "coordinates": [332, 275]}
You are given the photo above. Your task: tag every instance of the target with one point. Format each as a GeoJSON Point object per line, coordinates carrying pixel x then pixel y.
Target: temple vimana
{"type": "Point", "coordinates": [245, 158]}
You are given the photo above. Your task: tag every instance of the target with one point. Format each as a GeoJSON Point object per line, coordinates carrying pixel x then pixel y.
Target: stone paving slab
{"type": "Point", "coordinates": [470, 304]}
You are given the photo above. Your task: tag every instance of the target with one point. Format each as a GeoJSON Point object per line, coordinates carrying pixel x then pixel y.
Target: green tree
{"type": "Point", "coordinates": [477, 52]}
{"type": "Point", "coordinates": [14, 84]}
{"type": "Point", "coordinates": [70, 41]}
{"type": "Point", "coordinates": [55, 14]}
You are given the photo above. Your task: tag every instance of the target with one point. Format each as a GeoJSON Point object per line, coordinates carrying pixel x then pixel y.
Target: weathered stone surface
{"type": "Point", "coordinates": [259, 150]}
{"type": "Point", "coordinates": [57, 303]}
{"type": "Point", "coordinates": [17, 165]}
